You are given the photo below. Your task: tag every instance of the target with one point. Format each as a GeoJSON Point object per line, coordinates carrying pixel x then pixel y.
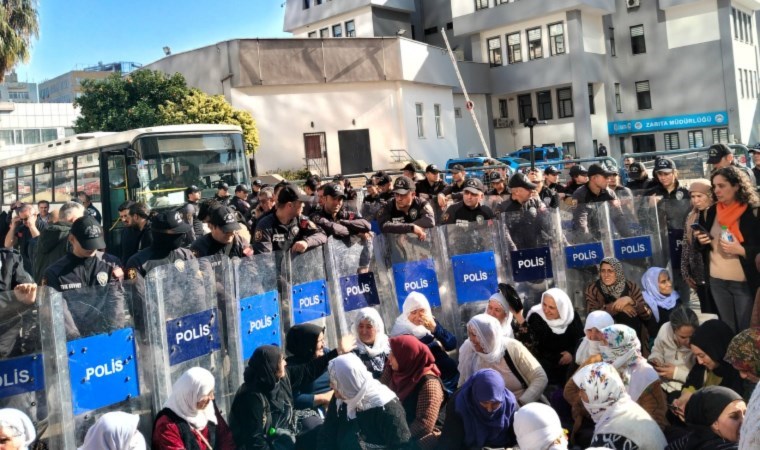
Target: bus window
{"type": "Point", "coordinates": [64, 186]}
{"type": "Point", "coordinates": [9, 190]}
{"type": "Point", "coordinates": [43, 187]}
{"type": "Point", "coordinates": [24, 171]}
{"type": "Point", "coordinates": [64, 164]}
{"type": "Point", "coordinates": [88, 175]}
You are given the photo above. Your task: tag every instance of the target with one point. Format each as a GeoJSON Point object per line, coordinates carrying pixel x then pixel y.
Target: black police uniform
{"type": "Point", "coordinates": [272, 236]}
{"type": "Point", "coordinates": [190, 212]}
{"type": "Point", "coordinates": [207, 245]}
{"type": "Point", "coordinates": [556, 187]}
{"type": "Point", "coordinates": [223, 200]}
{"type": "Point", "coordinates": [503, 194]}
{"type": "Point", "coordinates": [19, 332]}
{"type": "Point", "coordinates": [425, 189]}
{"type": "Point", "coordinates": [147, 259]}
{"type": "Point", "coordinates": [392, 220]}
{"type": "Point", "coordinates": [549, 197]}
{"type": "Point", "coordinates": [641, 185]}
{"type": "Point", "coordinates": [243, 207]}
{"type": "Point", "coordinates": [133, 240]}
{"type": "Point", "coordinates": [459, 213]}
{"type": "Point", "coordinates": [679, 193]}
{"type": "Point", "coordinates": [587, 222]}
{"type": "Point", "coordinates": [345, 223]}
{"type": "Point", "coordinates": [454, 190]}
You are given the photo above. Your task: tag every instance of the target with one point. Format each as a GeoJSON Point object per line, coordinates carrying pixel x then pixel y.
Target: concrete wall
{"type": "Point", "coordinates": [468, 140]}
{"type": "Point", "coordinates": [362, 18]}
{"type": "Point", "coordinates": [431, 148]}
{"type": "Point", "coordinates": [297, 17]}
{"type": "Point", "coordinates": [389, 22]}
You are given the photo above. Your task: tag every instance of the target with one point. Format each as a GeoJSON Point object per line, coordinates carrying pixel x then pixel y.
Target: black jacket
{"type": "Point", "coordinates": [52, 245]}
{"type": "Point", "coordinates": [383, 425]}
{"type": "Point", "coordinates": [17, 319]}
{"type": "Point", "coordinates": [207, 245]}
{"type": "Point", "coordinates": [392, 220]}
{"type": "Point", "coordinates": [459, 213]}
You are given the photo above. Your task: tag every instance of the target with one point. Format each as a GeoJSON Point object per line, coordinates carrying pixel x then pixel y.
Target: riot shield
{"type": "Point", "coordinates": [493, 201]}
{"type": "Point", "coordinates": [32, 364]}
{"type": "Point", "coordinates": [587, 240]}
{"type": "Point", "coordinates": [636, 239]}
{"type": "Point", "coordinates": [255, 319]}
{"type": "Point", "coordinates": [534, 251]}
{"type": "Point", "coordinates": [183, 328]}
{"type": "Point", "coordinates": [469, 253]}
{"type": "Point", "coordinates": [352, 281]}
{"type": "Point", "coordinates": [106, 371]}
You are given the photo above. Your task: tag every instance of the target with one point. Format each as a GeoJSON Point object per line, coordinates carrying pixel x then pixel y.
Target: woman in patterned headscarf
{"type": "Point", "coordinates": [744, 354]}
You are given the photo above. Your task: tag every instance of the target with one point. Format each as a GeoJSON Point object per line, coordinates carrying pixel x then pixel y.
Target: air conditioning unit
{"type": "Point", "coordinates": [633, 3]}
{"type": "Point", "coordinates": [503, 122]}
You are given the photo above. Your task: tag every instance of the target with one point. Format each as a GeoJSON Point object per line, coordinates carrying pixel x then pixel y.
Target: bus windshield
{"type": "Point", "coordinates": [169, 164]}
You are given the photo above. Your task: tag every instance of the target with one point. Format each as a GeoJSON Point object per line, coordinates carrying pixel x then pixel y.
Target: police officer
{"type": "Point", "coordinates": [311, 200]}
{"type": "Point", "coordinates": [191, 209]}
{"type": "Point", "coordinates": [546, 195]}
{"type": "Point", "coordinates": [17, 296]}
{"type": "Point", "coordinates": [334, 218]}
{"type": "Point", "coordinates": [223, 238]}
{"type": "Point", "coordinates": [578, 177]}
{"type": "Point", "coordinates": [240, 203]}
{"type": "Point", "coordinates": [470, 208]}
{"type": "Point", "coordinates": [286, 228]}
{"type": "Point", "coordinates": [668, 185]}
{"type": "Point", "coordinates": [551, 180]}
{"type": "Point", "coordinates": [429, 188]}
{"type": "Point", "coordinates": [638, 179]}
{"type": "Point", "coordinates": [597, 190]}
{"type": "Point", "coordinates": [168, 230]}
{"type": "Point", "coordinates": [89, 311]}
{"type": "Point", "coordinates": [453, 191]}
{"type": "Point", "coordinates": [383, 182]}
{"type": "Point", "coordinates": [223, 193]}
{"type": "Point", "coordinates": [721, 155]}
{"type": "Point", "coordinates": [525, 218]}
{"type": "Point", "coordinates": [406, 213]}
{"type": "Point", "coordinates": [372, 202]}
{"type": "Point", "coordinates": [253, 197]}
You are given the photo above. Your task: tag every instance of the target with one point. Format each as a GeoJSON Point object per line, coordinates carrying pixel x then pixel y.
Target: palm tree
{"type": "Point", "coordinates": [18, 23]}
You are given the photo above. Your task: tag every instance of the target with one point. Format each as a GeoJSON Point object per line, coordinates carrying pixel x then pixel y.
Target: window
{"type": "Point", "coordinates": [525, 105]}
{"type": "Point", "coordinates": [671, 141]}
{"type": "Point", "coordinates": [618, 102]}
{"type": "Point", "coordinates": [438, 123]}
{"type": "Point", "coordinates": [696, 139]}
{"type": "Point", "coordinates": [494, 51]}
{"type": "Point", "coordinates": [569, 148]}
{"type": "Point", "coordinates": [457, 113]}
{"type": "Point", "coordinates": [481, 4]}
{"type": "Point", "coordinates": [591, 107]}
{"type": "Point", "coordinates": [741, 82]}
{"type": "Point", "coordinates": [514, 52]}
{"type": "Point", "coordinates": [565, 102]}
{"type": "Point", "coordinates": [88, 175]}
{"type": "Point", "coordinates": [544, 103]}
{"type": "Point", "coordinates": [734, 13]}
{"type": "Point", "coordinates": [420, 124]}
{"type": "Point", "coordinates": [535, 47]}
{"type": "Point", "coordinates": [720, 135]}
{"type": "Point", "coordinates": [746, 81]}
{"type": "Point", "coordinates": [449, 25]}
{"type": "Point", "coordinates": [324, 32]}
{"type": "Point", "coordinates": [638, 44]}
{"type": "Point", "coordinates": [613, 50]}
{"type": "Point", "coordinates": [622, 145]}
{"type": "Point", "coordinates": [503, 108]}
{"type": "Point", "coordinates": [429, 31]}
{"type": "Point", "coordinates": [312, 34]}
{"type": "Point", "coordinates": [337, 30]}
{"type": "Point", "coordinates": [556, 39]}
{"type": "Point", "coordinates": [306, 4]}
{"type": "Point", "coordinates": [643, 143]}
{"type": "Point", "coordinates": [32, 136]}
{"type": "Point", "coordinates": [350, 29]}
{"type": "Point", "coordinates": [643, 97]}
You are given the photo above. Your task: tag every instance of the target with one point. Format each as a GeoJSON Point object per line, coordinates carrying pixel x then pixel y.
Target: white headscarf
{"type": "Point", "coordinates": [114, 431]}
{"type": "Point", "coordinates": [564, 307]}
{"type": "Point", "coordinates": [413, 302]}
{"type": "Point", "coordinates": [604, 388]}
{"type": "Point", "coordinates": [187, 391]}
{"type": "Point", "coordinates": [623, 351]}
{"type": "Point", "coordinates": [537, 426]}
{"type": "Point", "coordinates": [18, 426]}
{"type": "Point", "coordinates": [506, 324]}
{"type": "Point", "coordinates": [596, 319]}
{"type": "Point", "coordinates": [488, 331]}
{"type": "Point", "coordinates": [351, 378]}
{"type": "Point", "coordinates": [381, 345]}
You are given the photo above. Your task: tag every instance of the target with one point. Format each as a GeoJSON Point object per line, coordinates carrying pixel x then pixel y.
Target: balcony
{"type": "Point", "coordinates": [667, 4]}
{"type": "Point", "coordinates": [468, 21]}
{"type": "Point", "coordinates": [296, 16]}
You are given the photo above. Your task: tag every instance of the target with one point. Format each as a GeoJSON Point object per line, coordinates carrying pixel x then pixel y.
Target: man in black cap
{"type": "Point", "coordinates": [240, 203]}
{"type": "Point", "coordinates": [721, 155]}
{"type": "Point", "coordinates": [85, 265]}
{"type": "Point", "coordinates": [546, 195]}
{"type": "Point", "coordinates": [410, 171]}
{"type": "Point", "coordinates": [253, 197]}
{"type": "Point", "coordinates": [469, 209]}
{"type": "Point", "coordinates": [521, 192]}
{"type": "Point", "coordinates": [597, 190]}
{"type": "Point", "coordinates": [223, 239]}
{"type": "Point", "coordinates": [551, 180]}
{"type": "Point", "coordinates": [286, 228]}
{"type": "Point", "coordinates": [754, 153]}
{"type": "Point", "coordinates": [526, 220]}
{"type": "Point", "coordinates": [498, 187]}
{"type": "Point", "coordinates": [383, 182]}
{"type": "Point", "coordinates": [454, 190]}
{"type": "Point", "coordinates": [191, 209]}
{"type": "Point", "coordinates": [578, 177]}
{"type": "Point", "coordinates": [223, 193]}
{"type": "Point", "coordinates": [372, 202]}
{"type": "Point", "coordinates": [334, 218]}
{"type": "Point", "coordinates": [168, 231]}
{"type": "Point", "coordinates": [638, 179]}
{"type": "Point", "coordinates": [406, 213]}
{"type": "Point", "coordinates": [668, 185]}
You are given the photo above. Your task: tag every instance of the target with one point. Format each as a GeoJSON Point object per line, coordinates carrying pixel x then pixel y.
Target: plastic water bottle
{"type": "Point", "coordinates": [725, 234]}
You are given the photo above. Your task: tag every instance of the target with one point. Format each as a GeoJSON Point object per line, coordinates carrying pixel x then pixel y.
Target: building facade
{"type": "Point", "coordinates": [67, 87]}
{"type": "Point", "coordinates": [23, 125]}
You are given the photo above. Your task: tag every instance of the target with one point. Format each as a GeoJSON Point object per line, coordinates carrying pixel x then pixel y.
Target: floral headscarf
{"type": "Point", "coordinates": [617, 288]}
{"type": "Point", "coordinates": [603, 386]}
{"type": "Point", "coordinates": [623, 351]}
{"type": "Point", "coordinates": [744, 351]}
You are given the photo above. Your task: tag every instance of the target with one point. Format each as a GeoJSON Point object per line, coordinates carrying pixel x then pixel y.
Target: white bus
{"type": "Point", "coordinates": [152, 165]}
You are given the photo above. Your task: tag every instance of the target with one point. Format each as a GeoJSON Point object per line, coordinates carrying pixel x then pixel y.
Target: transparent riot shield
{"type": "Point", "coordinates": [587, 240]}
{"type": "Point", "coordinates": [352, 279]}
{"type": "Point", "coordinates": [469, 251]}
{"type": "Point", "coordinates": [34, 376]}
{"type": "Point", "coordinates": [636, 239]}
{"type": "Point", "coordinates": [493, 201]}
{"type": "Point", "coordinates": [255, 319]}
{"type": "Point", "coordinates": [533, 253]}
{"type": "Point", "coordinates": [183, 327]}
{"type": "Point", "coordinates": [672, 214]}
{"type": "Point", "coordinates": [106, 370]}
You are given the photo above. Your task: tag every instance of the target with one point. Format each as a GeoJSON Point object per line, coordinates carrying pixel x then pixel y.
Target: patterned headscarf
{"type": "Point", "coordinates": [603, 386]}
{"type": "Point", "coordinates": [623, 346]}
{"type": "Point", "coordinates": [617, 288]}
{"type": "Point", "coordinates": [744, 351]}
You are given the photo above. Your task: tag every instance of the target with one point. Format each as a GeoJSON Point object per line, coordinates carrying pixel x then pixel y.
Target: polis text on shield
{"type": "Point", "coordinates": [364, 288]}
{"type": "Point", "coordinates": [260, 324]}
{"type": "Point", "coordinates": [14, 378]}
{"type": "Point", "coordinates": [416, 285]}
{"type": "Point", "coordinates": [102, 370]}
{"type": "Point", "coordinates": [536, 261]}
{"type": "Point", "coordinates": [201, 331]}
{"type": "Point", "coordinates": [473, 277]}
{"type": "Point", "coordinates": [306, 302]}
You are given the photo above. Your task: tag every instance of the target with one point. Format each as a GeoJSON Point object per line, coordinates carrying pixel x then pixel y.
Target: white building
{"type": "Point", "coordinates": [26, 124]}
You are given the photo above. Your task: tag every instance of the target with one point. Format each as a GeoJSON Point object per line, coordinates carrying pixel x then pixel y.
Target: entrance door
{"type": "Point", "coordinates": [643, 143]}
{"type": "Point", "coordinates": [355, 152]}
{"type": "Point", "coordinates": [316, 153]}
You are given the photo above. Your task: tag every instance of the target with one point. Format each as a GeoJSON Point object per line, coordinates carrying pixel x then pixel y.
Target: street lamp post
{"type": "Point", "coordinates": [530, 123]}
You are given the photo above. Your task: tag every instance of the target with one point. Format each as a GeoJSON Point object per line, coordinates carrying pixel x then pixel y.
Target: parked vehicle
{"type": "Point", "coordinates": [545, 155]}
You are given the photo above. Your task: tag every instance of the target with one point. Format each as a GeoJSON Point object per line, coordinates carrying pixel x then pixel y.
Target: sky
{"type": "Point", "coordinates": [79, 33]}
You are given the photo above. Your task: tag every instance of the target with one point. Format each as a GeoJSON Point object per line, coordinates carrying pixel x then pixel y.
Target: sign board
{"type": "Point", "coordinates": [310, 301]}
{"type": "Point", "coordinates": [22, 374]}
{"type": "Point", "coordinates": [702, 120]}
{"type": "Point", "coordinates": [193, 335]}
{"type": "Point", "coordinates": [416, 276]}
{"type": "Point", "coordinates": [633, 248]}
{"type": "Point", "coordinates": [359, 291]}
{"type": "Point", "coordinates": [474, 276]}
{"type": "Point", "coordinates": [532, 264]}
{"type": "Point", "coordinates": [259, 322]}
{"type": "Point", "coordinates": [584, 255]}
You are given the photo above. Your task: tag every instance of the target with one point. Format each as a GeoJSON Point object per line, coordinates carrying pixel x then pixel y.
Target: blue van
{"type": "Point", "coordinates": [545, 155]}
{"type": "Point", "coordinates": [475, 161]}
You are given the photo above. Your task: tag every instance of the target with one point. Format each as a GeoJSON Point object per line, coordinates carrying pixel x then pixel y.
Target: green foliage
{"type": "Point", "coordinates": [199, 107]}
{"type": "Point", "coordinates": [121, 103]}
{"type": "Point", "coordinates": [18, 23]}
{"type": "Point", "coordinates": [292, 175]}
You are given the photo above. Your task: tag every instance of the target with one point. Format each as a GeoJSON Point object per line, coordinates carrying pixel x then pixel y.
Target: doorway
{"type": "Point", "coordinates": [355, 151]}
{"type": "Point", "coordinates": [643, 143]}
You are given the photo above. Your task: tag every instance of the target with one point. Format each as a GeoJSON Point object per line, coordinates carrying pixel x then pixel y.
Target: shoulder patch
{"type": "Point", "coordinates": [179, 265]}
{"type": "Point", "coordinates": [445, 217]}
{"type": "Point", "coordinates": [258, 236]}
{"type": "Point", "coordinates": [102, 278]}
{"type": "Point", "coordinates": [131, 273]}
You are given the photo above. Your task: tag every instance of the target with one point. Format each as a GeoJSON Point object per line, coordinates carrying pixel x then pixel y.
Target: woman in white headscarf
{"type": "Point", "coordinates": [619, 421]}
{"type": "Point", "coordinates": [16, 430]}
{"type": "Point", "coordinates": [361, 403]}
{"type": "Point", "coordinates": [596, 321]}
{"type": "Point", "coordinates": [114, 431]}
{"type": "Point", "coordinates": [190, 418]}
{"type": "Point", "coordinates": [537, 426]}
{"type": "Point", "coordinates": [487, 348]}
{"type": "Point", "coordinates": [372, 345]}
{"type": "Point", "coordinates": [417, 319]}
{"type": "Point", "coordinates": [552, 330]}
{"type": "Point", "coordinates": [506, 306]}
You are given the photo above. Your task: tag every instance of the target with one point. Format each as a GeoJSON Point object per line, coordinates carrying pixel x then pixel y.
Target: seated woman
{"type": "Point", "coordinates": [412, 374]}
{"type": "Point", "coordinates": [363, 413]}
{"type": "Point", "coordinates": [114, 431]}
{"type": "Point", "coordinates": [657, 289]}
{"type": "Point", "coordinates": [479, 414]}
{"type": "Point", "coordinates": [671, 355]}
{"type": "Point", "coordinates": [16, 430]}
{"type": "Point", "coordinates": [621, 298]}
{"type": "Point", "coordinates": [505, 305]}
{"type": "Point", "coordinates": [709, 344]}
{"type": "Point", "coordinates": [552, 330]}
{"type": "Point", "coordinates": [749, 438]}
{"type": "Point", "coordinates": [743, 353]}
{"type": "Point", "coordinates": [486, 348]}
{"type": "Point", "coordinates": [620, 423]}
{"type": "Point", "coordinates": [372, 345]}
{"type": "Point", "coordinates": [589, 347]}
{"type": "Point", "coordinates": [417, 319]}
{"type": "Point", "coordinates": [714, 414]}
{"type": "Point", "coordinates": [538, 426]}
{"type": "Point", "coordinates": [306, 342]}
{"type": "Point", "coordinates": [190, 418]}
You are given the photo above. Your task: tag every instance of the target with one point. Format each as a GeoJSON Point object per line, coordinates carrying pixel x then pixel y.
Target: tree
{"type": "Point", "coordinates": [119, 103]}
{"type": "Point", "coordinates": [18, 23]}
{"type": "Point", "coordinates": [199, 107]}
